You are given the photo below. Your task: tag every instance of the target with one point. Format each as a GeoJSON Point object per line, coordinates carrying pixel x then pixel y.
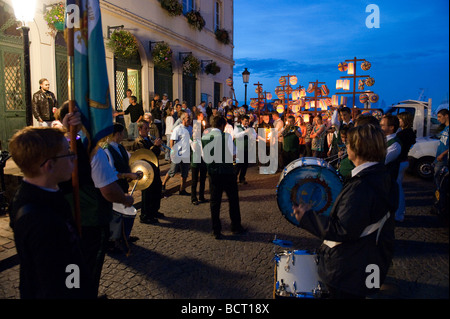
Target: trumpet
{"type": "Point", "coordinates": [287, 130]}
{"type": "Point", "coordinates": [164, 147]}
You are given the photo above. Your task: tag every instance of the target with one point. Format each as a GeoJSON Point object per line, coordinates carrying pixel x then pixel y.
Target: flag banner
{"type": "Point", "coordinates": [91, 87]}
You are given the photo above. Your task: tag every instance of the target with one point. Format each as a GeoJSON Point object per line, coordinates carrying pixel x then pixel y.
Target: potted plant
{"type": "Point", "coordinates": [222, 36]}
{"type": "Point", "coordinates": [173, 7]}
{"type": "Point", "coordinates": [212, 68]}
{"type": "Point", "coordinates": [195, 19]}
{"type": "Point", "coordinates": [123, 44]}
{"type": "Point", "coordinates": [191, 65]}
{"type": "Point", "coordinates": [162, 56]}
{"type": "Point", "coordinates": [55, 17]}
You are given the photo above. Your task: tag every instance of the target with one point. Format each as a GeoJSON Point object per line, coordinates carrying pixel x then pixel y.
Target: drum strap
{"type": "Point", "coordinates": [367, 231]}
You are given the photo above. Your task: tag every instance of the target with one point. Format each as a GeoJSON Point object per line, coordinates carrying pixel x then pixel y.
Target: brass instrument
{"type": "Point", "coordinates": [288, 130]}
{"type": "Point", "coordinates": [164, 146]}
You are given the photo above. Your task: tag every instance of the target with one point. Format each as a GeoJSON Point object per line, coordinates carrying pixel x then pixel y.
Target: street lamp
{"type": "Point", "coordinates": [245, 78]}
{"type": "Point", "coordinates": [24, 12]}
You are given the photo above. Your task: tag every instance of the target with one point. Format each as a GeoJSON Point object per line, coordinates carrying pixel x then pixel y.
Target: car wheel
{"type": "Point", "coordinates": [424, 168]}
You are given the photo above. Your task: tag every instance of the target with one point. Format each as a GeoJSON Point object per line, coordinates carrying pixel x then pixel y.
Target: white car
{"type": "Point", "coordinates": [421, 156]}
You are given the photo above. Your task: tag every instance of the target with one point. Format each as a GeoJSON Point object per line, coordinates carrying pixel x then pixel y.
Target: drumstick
{"type": "Point", "coordinates": [134, 187]}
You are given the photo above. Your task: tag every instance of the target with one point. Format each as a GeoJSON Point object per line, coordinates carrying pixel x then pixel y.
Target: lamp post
{"type": "Point", "coordinates": [245, 78]}
{"type": "Point", "coordinates": [24, 12]}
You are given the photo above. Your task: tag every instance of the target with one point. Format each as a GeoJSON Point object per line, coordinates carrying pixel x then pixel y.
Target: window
{"type": "Point", "coordinates": [188, 5]}
{"type": "Point", "coordinates": [216, 15]}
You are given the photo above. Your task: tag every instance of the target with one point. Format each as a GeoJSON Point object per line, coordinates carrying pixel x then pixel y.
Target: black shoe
{"type": "Point", "coordinates": [133, 239]}
{"type": "Point", "coordinates": [239, 231]}
{"type": "Point", "coordinates": [195, 202]}
{"type": "Point", "coordinates": [185, 193]}
{"type": "Point", "coordinates": [203, 200]}
{"type": "Point", "coordinates": [218, 236]}
{"type": "Point", "coordinates": [163, 188]}
{"type": "Point", "coordinates": [149, 221]}
{"type": "Point", "coordinates": [159, 215]}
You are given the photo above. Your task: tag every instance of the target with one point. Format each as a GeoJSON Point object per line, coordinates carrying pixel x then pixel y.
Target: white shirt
{"type": "Point", "coordinates": [393, 151]}
{"type": "Point", "coordinates": [125, 103]}
{"type": "Point", "coordinates": [101, 171]}
{"type": "Point", "coordinates": [169, 124]}
{"type": "Point", "coordinates": [180, 136]}
{"type": "Point", "coordinates": [359, 168]}
{"type": "Point", "coordinates": [229, 129]}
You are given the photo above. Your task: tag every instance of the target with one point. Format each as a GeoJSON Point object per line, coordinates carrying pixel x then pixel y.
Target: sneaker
{"type": "Point", "coordinates": [184, 193]}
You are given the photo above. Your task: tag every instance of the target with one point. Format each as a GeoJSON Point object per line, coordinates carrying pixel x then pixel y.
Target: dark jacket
{"type": "Point", "coordinates": [364, 200]}
{"type": "Point", "coordinates": [43, 104]}
{"type": "Point", "coordinates": [47, 242]}
{"type": "Point", "coordinates": [408, 138]}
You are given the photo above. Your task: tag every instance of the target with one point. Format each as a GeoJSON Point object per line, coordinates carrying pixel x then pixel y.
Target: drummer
{"type": "Point", "coordinates": [359, 231]}
{"type": "Point", "coordinates": [119, 159]}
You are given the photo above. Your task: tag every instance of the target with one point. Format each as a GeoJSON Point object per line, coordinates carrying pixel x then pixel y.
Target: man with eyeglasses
{"type": "Point", "coordinates": [46, 239]}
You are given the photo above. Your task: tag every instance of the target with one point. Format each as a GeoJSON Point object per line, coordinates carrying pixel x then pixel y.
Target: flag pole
{"type": "Point", "coordinates": [73, 132]}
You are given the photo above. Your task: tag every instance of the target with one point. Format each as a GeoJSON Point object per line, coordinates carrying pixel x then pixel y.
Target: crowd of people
{"type": "Point", "coordinates": [369, 153]}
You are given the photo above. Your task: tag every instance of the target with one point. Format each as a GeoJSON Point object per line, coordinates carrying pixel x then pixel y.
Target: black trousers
{"type": "Point", "coordinates": [289, 157]}
{"type": "Point", "coordinates": [218, 183]}
{"type": "Point", "coordinates": [151, 198]}
{"type": "Point", "coordinates": [199, 171]}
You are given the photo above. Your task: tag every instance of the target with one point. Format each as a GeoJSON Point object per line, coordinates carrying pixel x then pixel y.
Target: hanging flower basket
{"type": "Point", "coordinates": [162, 56]}
{"type": "Point", "coordinates": [173, 7]}
{"type": "Point", "coordinates": [195, 19]}
{"type": "Point", "coordinates": [55, 17]}
{"type": "Point", "coordinates": [123, 44]}
{"type": "Point", "coordinates": [191, 65]}
{"type": "Point", "coordinates": [212, 68]}
{"type": "Point", "coordinates": [222, 36]}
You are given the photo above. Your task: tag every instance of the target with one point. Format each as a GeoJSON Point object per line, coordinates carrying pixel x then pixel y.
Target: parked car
{"type": "Point", "coordinates": [423, 152]}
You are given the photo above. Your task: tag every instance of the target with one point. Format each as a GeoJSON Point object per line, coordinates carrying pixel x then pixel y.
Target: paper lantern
{"type": "Point", "coordinates": [344, 100]}
{"type": "Point", "coordinates": [310, 88]}
{"type": "Point", "coordinates": [258, 89]}
{"type": "Point", "coordinates": [351, 69]}
{"type": "Point", "coordinates": [363, 98]}
{"type": "Point", "coordinates": [370, 81]}
{"type": "Point", "coordinates": [373, 98]}
{"type": "Point", "coordinates": [378, 114]}
{"type": "Point", "coordinates": [324, 89]}
{"type": "Point", "coordinates": [293, 80]}
{"type": "Point", "coordinates": [306, 118]}
{"type": "Point", "coordinates": [295, 107]}
{"type": "Point", "coordinates": [280, 108]}
{"type": "Point", "coordinates": [335, 100]}
{"type": "Point", "coordinates": [229, 82]}
{"type": "Point", "coordinates": [269, 96]}
{"type": "Point", "coordinates": [307, 104]}
{"type": "Point", "coordinates": [282, 81]}
{"type": "Point", "coordinates": [365, 66]}
{"type": "Point", "coordinates": [338, 84]}
{"type": "Point", "coordinates": [295, 94]}
{"type": "Point", "coordinates": [280, 94]}
{"type": "Point", "coordinates": [229, 115]}
{"type": "Point", "coordinates": [361, 85]}
{"type": "Point", "coordinates": [343, 66]}
{"type": "Point", "coordinates": [230, 102]}
{"type": "Point", "coordinates": [302, 92]}
{"type": "Point", "coordinates": [346, 85]}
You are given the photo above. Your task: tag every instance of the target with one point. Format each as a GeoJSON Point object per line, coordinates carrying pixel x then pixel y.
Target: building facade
{"type": "Point", "coordinates": [151, 25]}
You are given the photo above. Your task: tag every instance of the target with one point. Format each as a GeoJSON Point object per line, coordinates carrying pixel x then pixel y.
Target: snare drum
{"type": "Point", "coordinates": [122, 221]}
{"type": "Point", "coordinates": [296, 275]}
{"type": "Point", "coordinates": [310, 180]}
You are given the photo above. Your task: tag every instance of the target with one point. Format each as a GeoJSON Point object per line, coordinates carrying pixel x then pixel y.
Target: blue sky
{"type": "Point", "coordinates": [408, 52]}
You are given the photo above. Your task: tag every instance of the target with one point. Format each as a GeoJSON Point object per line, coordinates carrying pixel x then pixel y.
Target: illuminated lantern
{"type": "Point", "coordinates": [335, 100]}
{"type": "Point", "coordinates": [310, 88]}
{"type": "Point", "coordinates": [373, 98]}
{"type": "Point", "coordinates": [312, 104]}
{"type": "Point", "coordinates": [370, 81]}
{"type": "Point", "coordinates": [365, 66]}
{"type": "Point", "coordinates": [229, 82]}
{"type": "Point", "coordinates": [280, 108]}
{"type": "Point", "coordinates": [229, 115]}
{"type": "Point", "coordinates": [258, 89]}
{"type": "Point", "coordinates": [293, 80]}
{"type": "Point", "coordinates": [339, 84]}
{"type": "Point", "coordinates": [307, 104]}
{"type": "Point", "coordinates": [322, 104]}
{"type": "Point", "coordinates": [306, 118]}
{"type": "Point", "coordinates": [269, 96]}
{"type": "Point", "coordinates": [282, 81]}
{"type": "Point", "coordinates": [302, 92]}
{"type": "Point", "coordinates": [344, 100]}
{"type": "Point", "coordinates": [280, 94]}
{"type": "Point", "coordinates": [346, 85]}
{"type": "Point", "coordinates": [325, 89]}
{"type": "Point", "coordinates": [363, 98]}
{"type": "Point", "coordinates": [230, 102]}
{"type": "Point", "coordinates": [295, 107]}
{"type": "Point", "coordinates": [295, 94]}
{"type": "Point", "coordinates": [343, 66]}
{"type": "Point", "coordinates": [351, 69]}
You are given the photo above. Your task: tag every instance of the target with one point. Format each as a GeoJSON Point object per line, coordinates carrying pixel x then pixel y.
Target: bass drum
{"type": "Point", "coordinates": [309, 180]}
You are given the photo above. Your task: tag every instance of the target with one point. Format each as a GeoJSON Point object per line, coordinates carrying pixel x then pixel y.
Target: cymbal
{"type": "Point", "coordinates": [147, 174]}
{"type": "Point", "coordinates": [144, 154]}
